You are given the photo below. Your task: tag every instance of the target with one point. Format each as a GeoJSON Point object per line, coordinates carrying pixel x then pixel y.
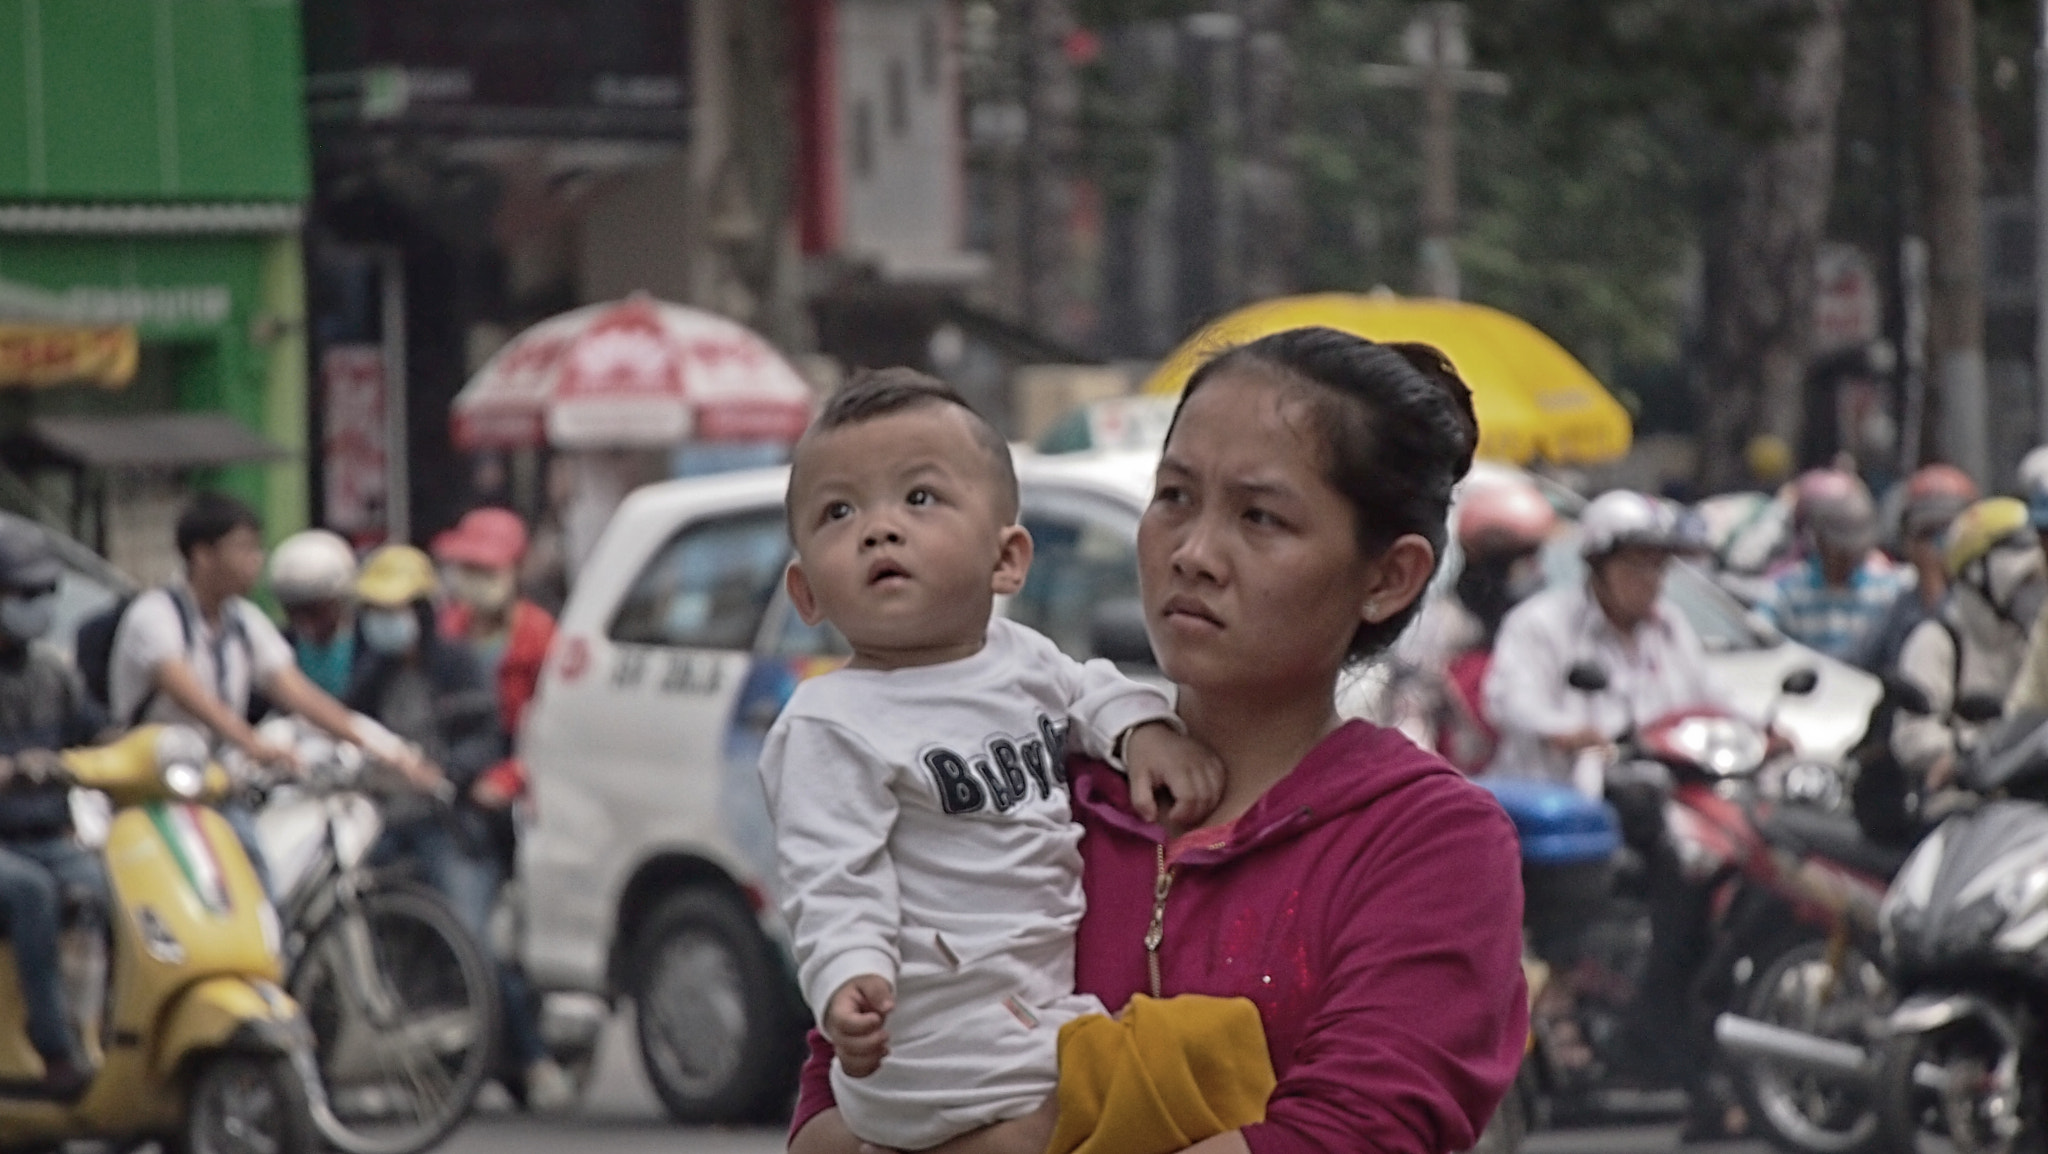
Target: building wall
{"type": "Point", "coordinates": [898, 134]}
{"type": "Point", "coordinates": [162, 100]}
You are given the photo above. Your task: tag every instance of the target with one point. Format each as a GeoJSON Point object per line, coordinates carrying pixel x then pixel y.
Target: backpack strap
{"type": "Point", "coordinates": [232, 629]}
{"type": "Point", "coordinates": [142, 707]}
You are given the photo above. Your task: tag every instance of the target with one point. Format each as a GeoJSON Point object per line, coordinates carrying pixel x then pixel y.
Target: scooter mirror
{"type": "Point", "coordinates": [1978, 708]}
{"type": "Point", "coordinates": [1799, 682]}
{"type": "Point", "coordinates": [1909, 697]}
{"type": "Point", "coordinates": [1587, 677]}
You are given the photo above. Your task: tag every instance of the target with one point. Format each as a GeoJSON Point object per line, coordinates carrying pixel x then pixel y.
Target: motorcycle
{"type": "Point", "coordinates": [178, 1003]}
{"type": "Point", "coordinates": [1964, 1064]}
{"type": "Point", "coordinates": [1786, 891]}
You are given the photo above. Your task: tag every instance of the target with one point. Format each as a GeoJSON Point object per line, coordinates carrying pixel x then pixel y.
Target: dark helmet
{"type": "Point", "coordinates": [27, 563]}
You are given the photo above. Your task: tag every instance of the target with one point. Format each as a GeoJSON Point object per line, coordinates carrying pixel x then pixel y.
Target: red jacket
{"type": "Point", "coordinates": [1370, 905]}
{"type": "Point", "coordinates": [533, 630]}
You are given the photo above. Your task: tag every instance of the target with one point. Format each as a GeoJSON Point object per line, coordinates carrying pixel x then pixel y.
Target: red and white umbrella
{"type": "Point", "coordinates": [633, 373]}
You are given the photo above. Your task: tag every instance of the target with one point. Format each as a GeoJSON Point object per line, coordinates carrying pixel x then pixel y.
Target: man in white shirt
{"type": "Point", "coordinates": [191, 653]}
{"type": "Point", "coordinates": [1653, 661]}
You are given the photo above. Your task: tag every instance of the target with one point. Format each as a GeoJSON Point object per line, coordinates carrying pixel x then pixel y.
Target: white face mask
{"type": "Point", "coordinates": [26, 617]}
{"type": "Point", "coordinates": [391, 632]}
{"type": "Point", "coordinates": [488, 590]}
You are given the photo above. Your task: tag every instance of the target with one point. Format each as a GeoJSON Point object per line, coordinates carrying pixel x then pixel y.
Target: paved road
{"type": "Point", "coordinates": [620, 1116]}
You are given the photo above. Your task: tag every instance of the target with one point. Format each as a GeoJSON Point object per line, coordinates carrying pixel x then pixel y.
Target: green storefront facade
{"type": "Point", "coordinates": [153, 173]}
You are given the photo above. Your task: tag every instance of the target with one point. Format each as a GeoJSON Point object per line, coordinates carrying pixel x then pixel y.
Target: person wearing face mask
{"type": "Point", "coordinates": [509, 633]}
{"type": "Point", "coordinates": [431, 691]}
{"type": "Point", "coordinates": [1839, 592]}
{"type": "Point", "coordinates": [43, 708]}
{"type": "Point", "coordinates": [1976, 643]}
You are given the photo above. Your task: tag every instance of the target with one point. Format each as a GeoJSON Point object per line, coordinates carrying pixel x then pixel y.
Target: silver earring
{"type": "Point", "coordinates": [1372, 612]}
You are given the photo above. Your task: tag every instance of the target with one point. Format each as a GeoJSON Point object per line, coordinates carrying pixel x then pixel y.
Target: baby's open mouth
{"type": "Point", "coordinates": [884, 570]}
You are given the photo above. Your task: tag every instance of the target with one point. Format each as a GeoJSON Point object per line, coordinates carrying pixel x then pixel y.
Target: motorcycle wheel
{"type": "Point", "coordinates": [1802, 1112]}
{"type": "Point", "coordinates": [404, 1009]}
{"type": "Point", "coordinates": [1944, 1090]}
{"type": "Point", "coordinates": [719, 1038]}
{"type": "Point", "coordinates": [247, 1104]}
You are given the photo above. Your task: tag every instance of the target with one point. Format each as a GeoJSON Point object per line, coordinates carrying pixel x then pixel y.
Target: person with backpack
{"type": "Point", "coordinates": [1975, 644]}
{"type": "Point", "coordinates": [43, 709]}
{"type": "Point", "coordinates": [192, 653]}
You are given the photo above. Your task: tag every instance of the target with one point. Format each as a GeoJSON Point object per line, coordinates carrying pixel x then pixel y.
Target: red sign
{"type": "Point", "coordinates": [354, 448]}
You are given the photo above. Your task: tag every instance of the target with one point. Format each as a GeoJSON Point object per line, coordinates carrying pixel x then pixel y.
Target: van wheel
{"type": "Point", "coordinates": [717, 1036]}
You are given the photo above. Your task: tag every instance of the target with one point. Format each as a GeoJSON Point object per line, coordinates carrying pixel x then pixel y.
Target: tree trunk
{"type": "Point", "coordinates": [1761, 277]}
{"type": "Point", "coordinates": [1956, 428]}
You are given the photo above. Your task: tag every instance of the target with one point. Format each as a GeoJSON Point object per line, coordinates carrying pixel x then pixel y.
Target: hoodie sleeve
{"type": "Point", "coordinates": [1423, 1016]}
{"type": "Point", "coordinates": [828, 793]}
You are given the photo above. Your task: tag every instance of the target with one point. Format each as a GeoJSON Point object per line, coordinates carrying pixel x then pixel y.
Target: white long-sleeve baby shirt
{"type": "Point", "coordinates": [923, 832]}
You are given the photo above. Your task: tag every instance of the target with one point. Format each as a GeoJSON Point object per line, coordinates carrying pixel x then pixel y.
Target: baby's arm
{"type": "Point", "coordinates": [828, 792]}
{"type": "Point", "coordinates": [1132, 726]}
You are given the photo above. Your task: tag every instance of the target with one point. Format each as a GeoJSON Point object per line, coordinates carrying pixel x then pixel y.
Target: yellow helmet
{"type": "Point", "coordinates": [1980, 528]}
{"type": "Point", "coordinates": [396, 575]}
{"type": "Point", "coordinates": [1769, 458]}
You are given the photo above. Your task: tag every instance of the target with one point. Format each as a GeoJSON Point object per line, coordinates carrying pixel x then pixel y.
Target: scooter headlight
{"type": "Point", "coordinates": [185, 779]}
{"type": "Point", "coordinates": [1721, 746]}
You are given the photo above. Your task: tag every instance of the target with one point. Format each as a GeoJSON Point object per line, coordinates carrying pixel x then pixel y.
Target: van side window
{"type": "Point", "coordinates": [1079, 563]}
{"type": "Point", "coordinates": [708, 587]}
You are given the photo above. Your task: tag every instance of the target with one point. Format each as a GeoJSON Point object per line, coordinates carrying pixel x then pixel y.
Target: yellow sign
{"type": "Point", "coordinates": [42, 355]}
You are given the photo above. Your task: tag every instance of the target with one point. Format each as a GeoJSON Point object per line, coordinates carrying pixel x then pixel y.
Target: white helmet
{"type": "Point", "coordinates": [313, 565]}
{"type": "Point", "coordinates": [1621, 518]}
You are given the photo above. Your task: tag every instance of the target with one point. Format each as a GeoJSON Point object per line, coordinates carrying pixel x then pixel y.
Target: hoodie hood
{"type": "Point", "coordinates": [1356, 765]}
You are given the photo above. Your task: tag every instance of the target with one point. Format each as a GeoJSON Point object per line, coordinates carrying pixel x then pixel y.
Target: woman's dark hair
{"type": "Point", "coordinates": [1398, 433]}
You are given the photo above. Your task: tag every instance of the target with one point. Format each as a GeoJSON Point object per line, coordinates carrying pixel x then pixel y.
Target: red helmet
{"type": "Point", "coordinates": [1935, 495]}
{"type": "Point", "coordinates": [1507, 516]}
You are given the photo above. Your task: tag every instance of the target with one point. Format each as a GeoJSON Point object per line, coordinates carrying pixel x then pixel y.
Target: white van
{"type": "Point", "coordinates": [648, 872]}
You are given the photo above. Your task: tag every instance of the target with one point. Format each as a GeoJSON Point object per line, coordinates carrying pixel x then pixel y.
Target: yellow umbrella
{"type": "Point", "coordinates": [1535, 401]}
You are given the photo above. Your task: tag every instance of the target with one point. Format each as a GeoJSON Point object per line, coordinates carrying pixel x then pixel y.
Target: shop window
{"type": "Point", "coordinates": [930, 55]}
{"type": "Point", "coordinates": [863, 139]}
{"type": "Point", "coordinates": [709, 587]}
{"type": "Point", "coordinates": [899, 99]}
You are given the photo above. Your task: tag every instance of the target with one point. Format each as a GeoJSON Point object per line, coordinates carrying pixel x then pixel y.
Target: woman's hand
{"type": "Point", "coordinates": [1158, 757]}
{"type": "Point", "coordinates": [855, 1021]}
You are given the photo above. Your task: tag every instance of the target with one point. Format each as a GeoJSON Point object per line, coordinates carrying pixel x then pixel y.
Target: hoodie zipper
{"type": "Point", "coordinates": [1156, 933]}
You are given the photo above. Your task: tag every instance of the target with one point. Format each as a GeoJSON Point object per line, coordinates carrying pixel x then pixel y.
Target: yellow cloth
{"type": "Point", "coordinates": [1162, 1077]}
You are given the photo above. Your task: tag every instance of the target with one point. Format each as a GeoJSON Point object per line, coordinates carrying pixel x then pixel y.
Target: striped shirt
{"type": "Point", "coordinates": [1834, 619]}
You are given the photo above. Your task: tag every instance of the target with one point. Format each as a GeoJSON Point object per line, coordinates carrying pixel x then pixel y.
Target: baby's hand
{"type": "Point", "coordinates": [854, 1020]}
{"type": "Point", "coordinates": [1158, 757]}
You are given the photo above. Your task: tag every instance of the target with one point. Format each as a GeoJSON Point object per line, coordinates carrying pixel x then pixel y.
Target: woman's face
{"type": "Point", "coordinates": [1248, 558]}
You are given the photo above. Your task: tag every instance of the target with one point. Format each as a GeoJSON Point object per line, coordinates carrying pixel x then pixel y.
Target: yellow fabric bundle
{"type": "Point", "coordinates": [1162, 1076]}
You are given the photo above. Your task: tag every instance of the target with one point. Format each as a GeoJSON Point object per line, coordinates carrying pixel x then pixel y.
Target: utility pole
{"type": "Point", "coordinates": [1953, 177]}
{"type": "Point", "coordinates": [1438, 56]}
{"type": "Point", "coordinates": [2041, 231]}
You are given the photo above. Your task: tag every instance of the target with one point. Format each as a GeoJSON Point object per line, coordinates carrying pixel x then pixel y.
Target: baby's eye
{"type": "Point", "coordinates": [838, 511]}
{"type": "Point", "coordinates": [921, 497]}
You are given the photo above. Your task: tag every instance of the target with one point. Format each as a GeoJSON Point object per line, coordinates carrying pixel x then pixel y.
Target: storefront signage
{"type": "Point", "coordinates": [354, 444]}
{"type": "Point", "coordinates": [153, 306]}
{"type": "Point", "coordinates": [38, 355]}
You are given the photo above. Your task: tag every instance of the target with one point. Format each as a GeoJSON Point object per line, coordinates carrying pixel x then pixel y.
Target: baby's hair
{"type": "Point", "coordinates": [876, 393]}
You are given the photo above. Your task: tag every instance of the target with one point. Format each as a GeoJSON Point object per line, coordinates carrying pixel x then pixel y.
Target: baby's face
{"type": "Point", "coordinates": [900, 539]}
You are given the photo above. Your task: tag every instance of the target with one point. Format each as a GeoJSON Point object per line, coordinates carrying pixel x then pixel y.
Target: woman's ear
{"type": "Point", "coordinates": [1398, 577]}
{"type": "Point", "coordinates": [1013, 564]}
{"type": "Point", "coordinates": [800, 593]}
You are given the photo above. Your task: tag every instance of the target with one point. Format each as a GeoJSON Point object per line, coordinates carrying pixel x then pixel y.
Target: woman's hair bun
{"type": "Point", "coordinates": [1437, 368]}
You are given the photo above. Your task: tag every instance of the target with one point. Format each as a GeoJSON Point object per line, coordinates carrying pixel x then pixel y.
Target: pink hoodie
{"type": "Point", "coordinates": [1370, 904]}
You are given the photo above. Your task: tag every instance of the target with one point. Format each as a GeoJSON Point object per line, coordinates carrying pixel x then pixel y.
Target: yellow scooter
{"type": "Point", "coordinates": [197, 1046]}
